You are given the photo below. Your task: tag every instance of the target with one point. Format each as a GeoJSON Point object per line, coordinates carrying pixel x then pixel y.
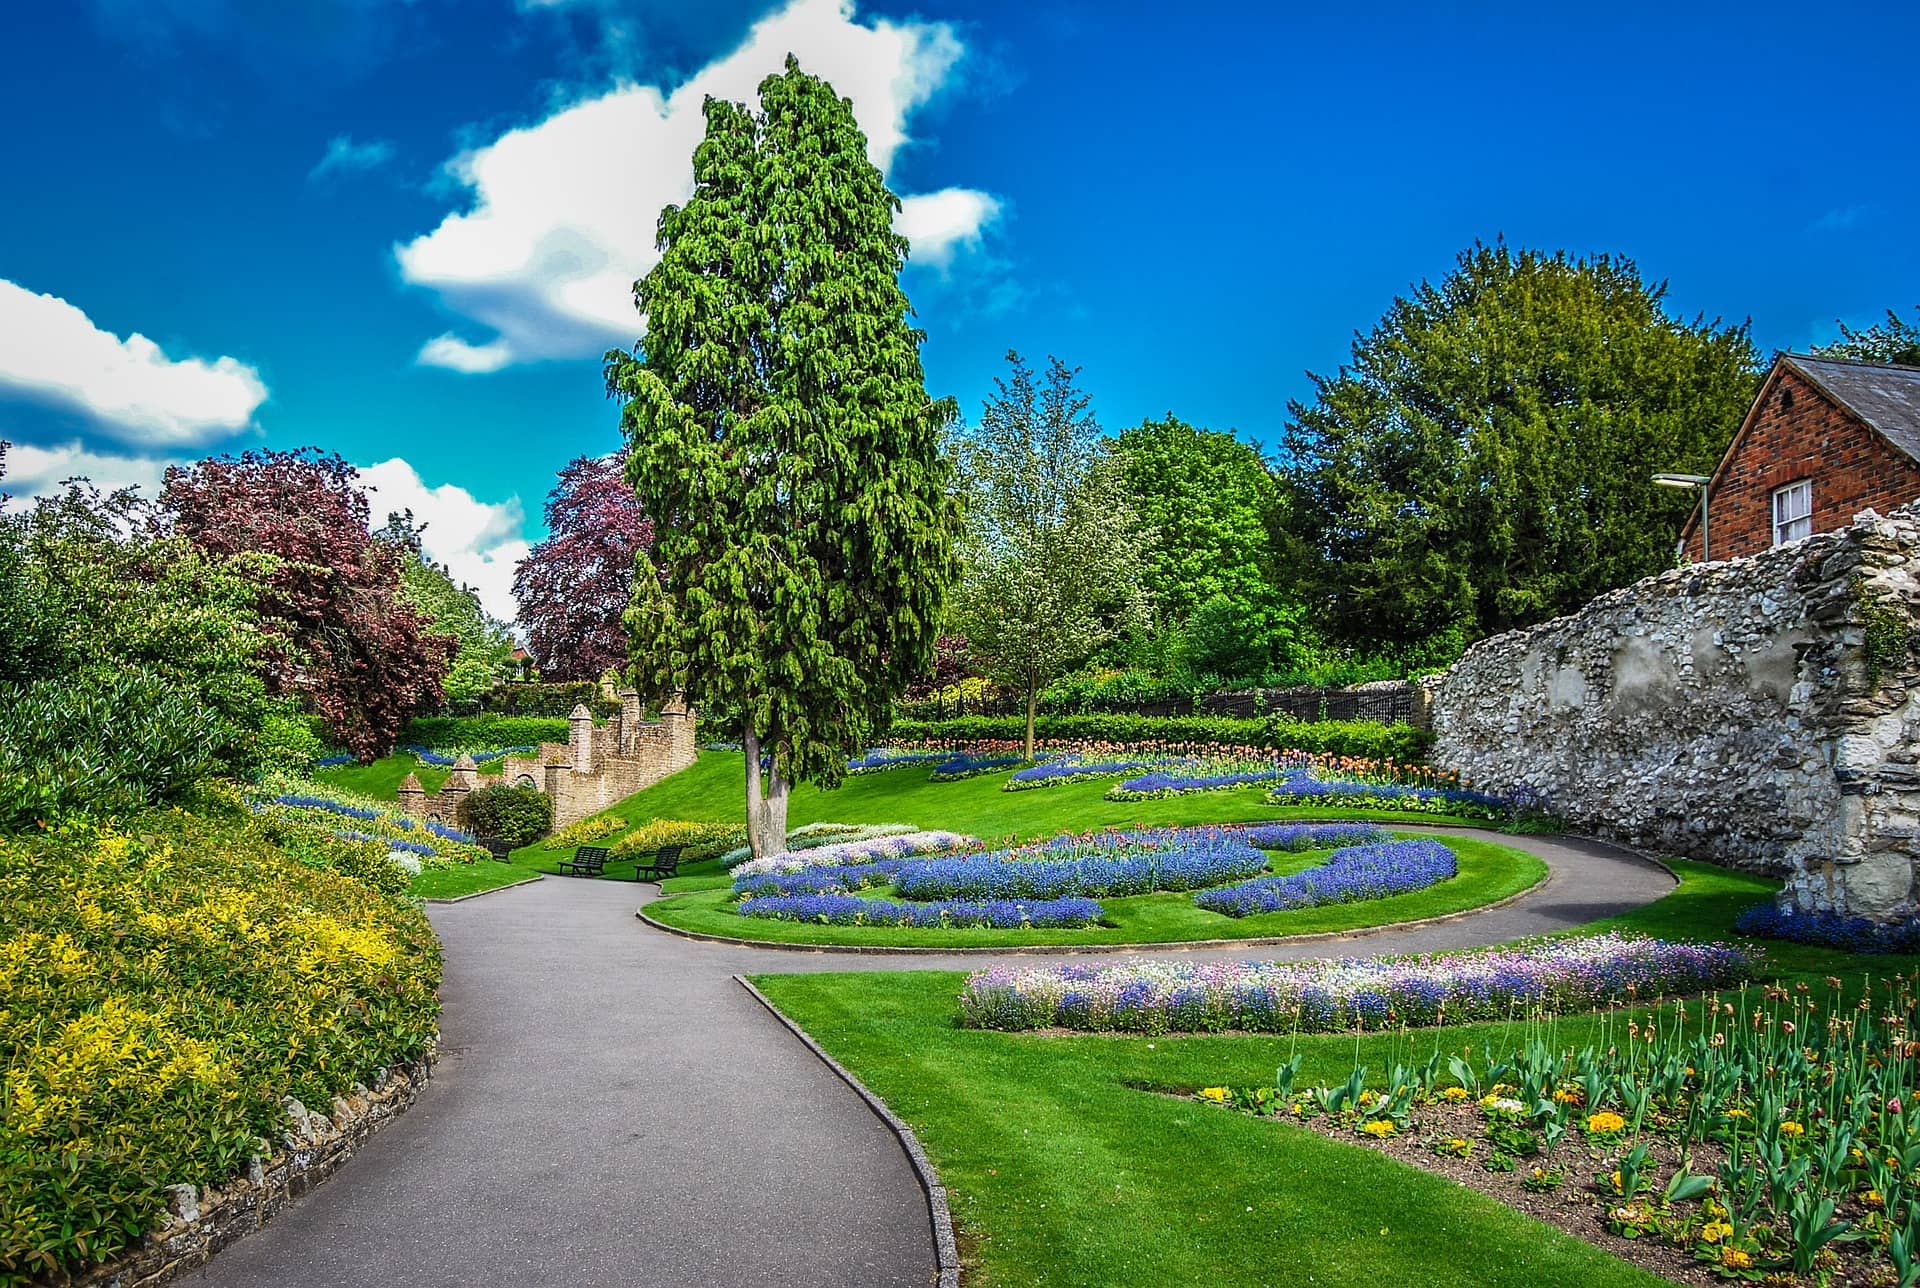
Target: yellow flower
{"type": "Point", "coordinates": [1218, 1095]}
{"type": "Point", "coordinates": [1791, 1128]}
{"type": "Point", "coordinates": [1714, 1231]}
{"type": "Point", "coordinates": [1379, 1128]}
{"type": "Point", "coordinates": [1875, 1198]}
{"type": "Point", "coordinates": [1735, 1259]}
{"type": "Point", "coordinates": [1605, 1121]}
{"type": "Point", "coordinates": [1454, 1093]}
{"type": "Point", "coordinates": [1567, 1096]}
{"type": "Point", "coordinates": [1618, 1184]}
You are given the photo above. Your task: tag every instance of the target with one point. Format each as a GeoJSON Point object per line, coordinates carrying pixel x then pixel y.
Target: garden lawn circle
{"type": "Point", "coordinates": [1490, 872]}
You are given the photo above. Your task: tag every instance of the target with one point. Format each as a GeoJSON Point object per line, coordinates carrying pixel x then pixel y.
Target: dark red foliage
{"type": "Point", "coordinates": [574, 585]}
{"type": "Point", "coordinates": [358, 653]}
{"type": "Point", "coordinates": [950, 666]}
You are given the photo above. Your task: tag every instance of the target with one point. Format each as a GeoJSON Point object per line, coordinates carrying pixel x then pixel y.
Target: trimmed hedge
{"type": "Point", "coordinates": [162, 989]}
{"type": "Point", "coordinates": [448, 732]}
{"type": "Point", "coordinates": [555, 699]}
{"type": "Point", "coordinates": [1361, 738]}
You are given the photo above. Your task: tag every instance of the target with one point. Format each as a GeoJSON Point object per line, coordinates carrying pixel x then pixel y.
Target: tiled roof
{"type": "Point", "coordinates": [1887, 398]}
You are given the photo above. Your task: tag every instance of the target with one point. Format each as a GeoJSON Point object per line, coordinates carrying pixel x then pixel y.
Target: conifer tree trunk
{"type": "Point", "coordinates": [766, 800]}
{"type": "Point", "coordinates": [1033, 700]}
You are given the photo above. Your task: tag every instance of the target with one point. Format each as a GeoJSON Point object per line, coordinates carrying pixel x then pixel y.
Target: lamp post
{"type": "Point", "coordinates": [1691, 481]}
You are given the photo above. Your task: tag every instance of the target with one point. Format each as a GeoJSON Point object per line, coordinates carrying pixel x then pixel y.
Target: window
{"type": "Point", "coordinates": [1793, 512]}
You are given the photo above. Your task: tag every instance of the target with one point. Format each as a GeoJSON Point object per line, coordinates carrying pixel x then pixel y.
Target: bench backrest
{"type": "Point", "coordinates": [669, 856]}
{"type": "Point", "coordinates": [596, 854]}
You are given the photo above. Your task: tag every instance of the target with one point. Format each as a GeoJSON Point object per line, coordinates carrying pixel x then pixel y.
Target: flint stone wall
{"type": "Point", "coordinates": [1762, 713]}
{"type": "Point", "coordinates": [201, 1222]}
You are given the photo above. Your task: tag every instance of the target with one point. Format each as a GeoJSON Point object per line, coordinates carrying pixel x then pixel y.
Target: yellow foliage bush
{"type": "Point", "coordinates": [584, 832]}
{"type": "Point", "coordinates": [702, 840]}
{"type": "Point", "coordinates": [162, 989]}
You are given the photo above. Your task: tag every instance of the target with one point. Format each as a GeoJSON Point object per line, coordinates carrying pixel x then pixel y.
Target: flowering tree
{"type": "Point", "coordinates": [351, 645]}
{"type": "Point", "coordinates": [574, 586]}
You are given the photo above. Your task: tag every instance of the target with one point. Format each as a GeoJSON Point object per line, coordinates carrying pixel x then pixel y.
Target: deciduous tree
{"type": "Point", "coordinates": [1055, 555]}
{"type": "Point", "coordinates": [574, 587]}
{"type": "Point", "coordinates": [1896, 340]}
{"type": "Point", "coordinates": [1483, 461]}
{"type": "Point", "coordinates": [352, 646]}
{"type": "Point", "coordinates": [784, 445]}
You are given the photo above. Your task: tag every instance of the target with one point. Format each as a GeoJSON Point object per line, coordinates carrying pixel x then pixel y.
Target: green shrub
{"type": "Point", "coordinates": [702, 840]}
{"type": "Point", "coordinates": [514, 816]}
{"type": "Point", "coordinates": [485, 733]}
{"type": "Point", "coordinates": [288, 743]}
{"type": "Point", "coordinates": [1363, 738]}
{"type": "Point", "coordinates": [104, 743]}
{"type": "Point", "coordinates": [162, 989]}
{"type": "Point", "coordinates": [553, 698]}
{"type": "Point", "coordinates": [316, 847]}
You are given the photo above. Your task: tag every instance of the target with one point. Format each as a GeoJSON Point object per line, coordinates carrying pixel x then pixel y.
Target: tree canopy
{"type": "Point", "coordinates": [1483, 461]}
{"type": "Point", "coordinates": [1055, 554]}
{"type": "Point", "coordinates": [574, 587]}
{"type": "Point", "coordinates": [783, 444]}
{"type": "Point", "coordinates": [1896, 340]}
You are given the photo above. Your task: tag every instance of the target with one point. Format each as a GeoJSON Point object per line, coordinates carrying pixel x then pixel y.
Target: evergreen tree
{"type": "Point", "coordinates": [1483, 462]}
{"type": "Point", "coordinates": [784, 447]}
{"type": "Point", "coordinates": [1895, 341]}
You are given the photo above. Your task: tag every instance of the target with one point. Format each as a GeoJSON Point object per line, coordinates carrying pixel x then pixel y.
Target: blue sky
{"type": "Point", "coordinates": [401, 230]}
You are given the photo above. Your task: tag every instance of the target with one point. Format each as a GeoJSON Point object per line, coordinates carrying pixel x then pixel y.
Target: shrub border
{"type": "Point", "coordinates": [200, 1225]}
{"type": "Point", "coordinates": [946, 1250]}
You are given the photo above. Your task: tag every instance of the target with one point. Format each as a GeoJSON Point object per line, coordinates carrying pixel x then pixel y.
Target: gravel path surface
{"type": "Point", "coordinates": [610, 1108]}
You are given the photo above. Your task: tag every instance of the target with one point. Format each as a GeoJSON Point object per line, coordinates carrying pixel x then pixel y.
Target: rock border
{"type": "Point", "coordinates": [202, 1222]}
{"type": "Point", "coordinates": [946, 1250]}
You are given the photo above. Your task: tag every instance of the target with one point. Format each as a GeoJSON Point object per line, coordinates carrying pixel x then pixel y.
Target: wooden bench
{"type": "Point", "coordinates": [665, 864]}
{"type": "Point", "coordinates": [587, 861]}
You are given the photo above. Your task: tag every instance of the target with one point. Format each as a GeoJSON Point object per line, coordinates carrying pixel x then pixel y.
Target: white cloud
{"type": "Point", "coordinates": [938, 223]}
{"type": "Point", "coordinates": [479, 543]}
{"type": "Point", "coordinates": [52, 353]}
{"type": "Point", "coordinates": [344, 154]}
{"type": "Point", "coordinates": [39, 471]}
{"type": "Point", "coordinates": [563, 213]}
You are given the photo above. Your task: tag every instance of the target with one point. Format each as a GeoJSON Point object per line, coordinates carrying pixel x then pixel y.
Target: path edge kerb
{"type": "Point", "coordinates": [946, 1250]}
{"type": "Point", "coordinates": [481, 894]}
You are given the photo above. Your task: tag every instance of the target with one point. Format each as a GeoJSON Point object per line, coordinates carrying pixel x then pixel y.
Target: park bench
{"type": "Point", "coordinates": [665, 864]}
{"type": "Point", "coordinates": [587, 861]}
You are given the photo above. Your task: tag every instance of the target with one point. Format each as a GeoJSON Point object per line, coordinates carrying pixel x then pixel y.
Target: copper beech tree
{"type": "Point", "coordinates": [350, 644]}
{"type": "Point", "coordinates": [783, 443]}
{"type": "Point", "coordinates": [574, 586]}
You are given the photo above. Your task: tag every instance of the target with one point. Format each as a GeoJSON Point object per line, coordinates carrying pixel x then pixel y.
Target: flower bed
{"type": "Point", "coordinates": [1830, 930]}
{"type": "Point", "coordinates": [1297, 837]}
{"type": "Point", "coordinates": [698, 840]}
{"type": "Point", "coordinates": [964, 764]}
{"type": "Point", "coordinates": [1202, 778]}
{"type": "Point", "coordinates": [843, 878]}
{"type": "Point", "coordinates": [1105, 864]}
{"type": "Point", "coordinates": [814, 835]}
{"type": "Point", "coordinates": [161, 991]}
{"type": "Point", "coordinates": [429, 756]}
{"type": "Point", "coordinates": [881, 759]}
{"type": "Point", "coordinates": [585, 832]}
{"type": "Point", "coordinates": [1550, 976]}
{"type": "Point", "coordinates": [360, 818]}
{"type": "Point", "coordinates": [1074, 768]}
{"type": "Point", "coordinates": [906, 845]}
{"type": "Point", "coordinates": [1349, 875]}
{"type": "Point", "coordinates": [997, 914]}
{"type": "Point", "coordinates": [1347, 794]}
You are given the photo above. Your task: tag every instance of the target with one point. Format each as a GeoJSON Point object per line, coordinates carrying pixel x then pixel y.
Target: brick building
{"type": "Point", "coordinates": [1825, 440]}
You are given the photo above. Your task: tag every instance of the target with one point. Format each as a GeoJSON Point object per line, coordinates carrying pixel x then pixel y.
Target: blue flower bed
{"type": "Point", "coordinates": [1296, 837]}
{"type": "Point", "coordinates": [1349, 875]}
{"type": "Point", "coordinates": [1174, 782]}
{"type": "Point", "coordinates": [1207, 859]}
{"type": "Point", "coordinates": [298, 801]}
{"type": "Point", "coordinates": [1830, 930]}
{"type": "Point", "coordinates": [411, 847]}
{"type": "Point", "coordinates": [997, 914]}
{"type": "Point", "coordinates": [341, 758]}
{"type": "Point", "coordinates": [883, 758]}
{"type": "Point", "coordinates": [836, 879]}
{"type": "Point", "coordinates": [1052, 773]}
{"type": "Point", "coordinates": [963, 764]}
{"type": "Point", "coordinates": [432, 757]}
{"type": "Point", "coordinates": [446, 833]}
{"type": "Point", "coordinates": [1300, 789]}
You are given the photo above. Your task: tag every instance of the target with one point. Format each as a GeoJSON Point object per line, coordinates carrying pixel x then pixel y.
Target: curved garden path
{"type": "Point", "coordinates": [611, 1108]}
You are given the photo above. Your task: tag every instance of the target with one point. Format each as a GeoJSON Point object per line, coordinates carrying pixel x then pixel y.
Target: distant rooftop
{"type": "Point", "coordinates": [1886, 397]}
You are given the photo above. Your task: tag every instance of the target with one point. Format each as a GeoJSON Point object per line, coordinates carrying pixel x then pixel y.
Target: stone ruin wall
{"type": "Point", "coordinates": [1762, 713]}
{"type": "Point", "coordinates": [597, 766]}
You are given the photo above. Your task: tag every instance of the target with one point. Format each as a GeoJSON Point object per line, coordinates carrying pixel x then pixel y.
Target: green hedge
{"type": "Point", "coordinates": [515, 816]}
{"type": "Point", "coordinates": [555, 699]}
{"type": "Point", "coordinates": [162, 989]}
{"type": "Point", "coordinates": [484, 733]}
{"type": "Point", "coordinates": [1332, 737]}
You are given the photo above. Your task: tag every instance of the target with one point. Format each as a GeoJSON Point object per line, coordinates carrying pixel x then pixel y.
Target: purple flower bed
{"type": "Point", "coordinates": [1174, 782]}
{"type": "Point", "coordinates": [997, 914]}
{"type": "Point", "coordinates": [1830, 930]}
{"type": "Point", "coordinates": [1554, 976]}
{"type": "Point", "coordinates": [1052, 773]}
{"type": "Point", "coordinates": [1350, 875]}
{"type": "Point", "coordinates": [1296, 837]}
{"type": "Point", "coordinates": [1120, 863]}
{"type": "Point", "coordinates": [1299, 789]}
{"type": "Point", "coordinates": [836, 879]}
{"type": "Point", "coordinates": [965, 764]}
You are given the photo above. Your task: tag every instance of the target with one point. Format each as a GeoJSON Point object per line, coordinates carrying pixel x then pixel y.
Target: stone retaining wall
{"type": "Point", "coordinates": [200, 1223]}
{"type": "Point", "coordinates": [1762, 713]}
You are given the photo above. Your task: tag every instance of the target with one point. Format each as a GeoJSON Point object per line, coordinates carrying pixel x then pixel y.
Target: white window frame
{"type": "Point", "coordinates": [1793, 512]}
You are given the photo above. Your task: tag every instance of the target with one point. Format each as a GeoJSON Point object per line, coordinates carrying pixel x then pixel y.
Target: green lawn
{"type": "Point", "coordinates": [456, 879]}
{"type": "Point", "coordinates": [381, 779]}
{"type": "Point", "coordinates": [1064, 1165]}
{"type": "Point", "coordinates": [1487, 873]}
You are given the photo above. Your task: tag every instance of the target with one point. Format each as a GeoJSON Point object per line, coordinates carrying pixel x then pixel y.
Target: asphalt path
{"type": "Point", "coordinates": [611, 1108]}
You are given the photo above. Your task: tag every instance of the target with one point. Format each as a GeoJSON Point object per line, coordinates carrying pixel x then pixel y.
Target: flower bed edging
{"type": "Point", "coordinates": [314, 1147]}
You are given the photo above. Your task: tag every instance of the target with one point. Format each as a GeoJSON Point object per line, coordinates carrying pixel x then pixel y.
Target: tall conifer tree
{"type": "Point", "coordinates": [784, 445]}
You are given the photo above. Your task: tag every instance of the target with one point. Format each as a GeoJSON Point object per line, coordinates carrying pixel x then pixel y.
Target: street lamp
{"type": "Point", "coordinates": [1691, 481]}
